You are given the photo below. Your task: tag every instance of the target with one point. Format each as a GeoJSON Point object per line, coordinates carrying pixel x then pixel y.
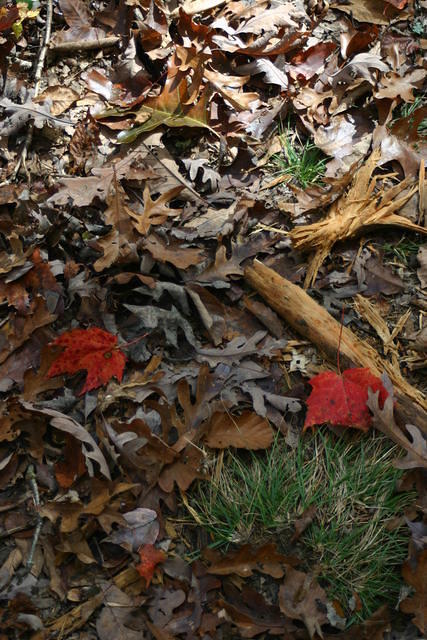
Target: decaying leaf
{"type": "Point", "coordinates": [142, 528]}
{"type": "Point", "coordinates": [61, 98]}
{"type": "Point", "coordinates": [356, 210]}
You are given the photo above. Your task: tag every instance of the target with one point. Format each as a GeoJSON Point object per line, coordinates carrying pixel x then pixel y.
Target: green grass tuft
{"type": "Point", "coordinates": [303, 162]}
{"type": "Point", "coordinates": [402, 250]}
{"type": "Point", "coordinates": [254, 497]}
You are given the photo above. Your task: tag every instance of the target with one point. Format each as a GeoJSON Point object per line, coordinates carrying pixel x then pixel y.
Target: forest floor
{"type": "Point", "coordinates": [213, 336]}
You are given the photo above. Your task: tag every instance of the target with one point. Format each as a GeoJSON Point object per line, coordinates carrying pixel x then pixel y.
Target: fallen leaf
{"type": "Point", "coordinates": [72, 466]}
{"type": "Point", "coordinates": [91, 450]}
{"type": "Point", "coordinates": [94, 350]}
{"type": "Point", "coordinates": [119, 616]}
{"type": "Point", "coordinates": [301, 597]}
{"type": "Point", "coordinates": [150, 557]}
{"type": "Point", "coordinates": [172, 251]}
{"type": "Point", "coordinates": [416, 577]}
{"type": "Point", "coordinates": [422, 270]}
{"type": "Point", "coordinates": [155, 211]}
{"type": "Point", "coordinates": [303, 522]}
{"type": "Point", "coordinates": [384, 421]}
{"type": "Point", "coordinates": [142, 529]}
{"type": "Point", "coordinates": [247, 431]}
{"type": "Point", "coordinates": [265, 559]}
{"type": "Point", "coordinates": [341, 399]}
{"type": "Point", "coordinates": [272, 74]}
{"type": "Point", "coordinates": [61, 98]}
{"type": "Point", "coordinates": [392, 85]}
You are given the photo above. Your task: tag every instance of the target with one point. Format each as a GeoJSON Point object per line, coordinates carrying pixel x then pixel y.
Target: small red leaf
{"type": "Point", "coordinates": [92, 349]}
{"type": "Point", "coordinates": [150, 557]}
{"type": "Point", "coordinates": [341, 399]}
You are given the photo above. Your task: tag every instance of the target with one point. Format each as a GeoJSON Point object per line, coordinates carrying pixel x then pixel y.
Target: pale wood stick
{"type": "Point", "coordinates": [313, 322]}
{"type": "Point", "coordinates": [84, 45]}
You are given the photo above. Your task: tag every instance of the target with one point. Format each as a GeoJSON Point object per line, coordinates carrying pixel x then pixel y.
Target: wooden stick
{"type": "Point", "coordinates": [84, 45]}
{"type": "Point", "coordinates": [313, 322]}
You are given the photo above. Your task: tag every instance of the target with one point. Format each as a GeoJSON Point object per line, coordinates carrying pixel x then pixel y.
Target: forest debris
{"type": "Point", "coordinates": [369, 312]}
{"type": "Point", "coordinates": [352, 212]}
{"type": "Point", "coordinates": [313, 322]}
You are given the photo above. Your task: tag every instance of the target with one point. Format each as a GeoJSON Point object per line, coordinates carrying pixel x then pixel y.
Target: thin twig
{"type": "Point", "coordinates": [37, 78]}
{"type": "Point", "coordinates": [31, 477]}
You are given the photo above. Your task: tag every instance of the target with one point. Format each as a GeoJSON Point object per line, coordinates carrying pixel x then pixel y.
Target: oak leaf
{"type": "Point", "coordinates": [155, 211]}
{"type": "Point", "coordinates": [150, 558]}
{"type": "Point", "coordinates": [341, 399]}
{"type": "Point", "coordinates": [92, 349]}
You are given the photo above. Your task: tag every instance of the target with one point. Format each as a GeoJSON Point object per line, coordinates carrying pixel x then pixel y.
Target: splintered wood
{"type": "Point", "coordinates": [313, 322]}
{"type": "Point", "coordinates": [360, 207]}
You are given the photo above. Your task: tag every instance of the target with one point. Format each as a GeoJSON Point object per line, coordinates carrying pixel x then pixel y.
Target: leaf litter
{"type": "Point", "coordinates": [135, 194]}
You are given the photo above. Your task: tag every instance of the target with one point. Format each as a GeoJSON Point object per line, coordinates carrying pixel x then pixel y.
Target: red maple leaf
{"type": "Point", "coordinates": [92, 349]}
{"type": "Point", "coordinates": [341, 399]}
{"type": "Point", "coordinates": [150, 557]}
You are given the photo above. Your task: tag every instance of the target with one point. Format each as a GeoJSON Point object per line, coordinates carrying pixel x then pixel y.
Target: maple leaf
{"type": "Point", "coordinates": [150, 557]}
{"type": "Point", "coordinates": [341, 399]}
{"type": "Point", "coordinates": [92, 349]}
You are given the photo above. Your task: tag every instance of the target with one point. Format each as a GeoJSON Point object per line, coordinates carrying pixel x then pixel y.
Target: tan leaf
{"type": "Point", "coordinates": [155, 211]}
{"type": "Point", "coordinates": [393, 85]}
{"type": "Point", "coordinates": [174, 252]}
{"type": "Point", "coordinates": [228, 87]}
{"type": "Point", "coordinates": [247, 431]}
{"type": "Point", "coordinates": [300, 596]}
{"type": "Point", "coordinates": [246, 560]}
{"type": "Point", "coordinates": [61, 98]}
{"type": "Point", "coordinates": [60, 421]}
{"type": "Point", "coordinates": [192, 7]}
{"type": "Point", "coordinates": [119, 244]}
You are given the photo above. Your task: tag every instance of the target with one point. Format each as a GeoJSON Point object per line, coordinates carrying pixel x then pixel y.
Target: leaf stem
{"type": "Point", "coordinates": [339, 341]}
